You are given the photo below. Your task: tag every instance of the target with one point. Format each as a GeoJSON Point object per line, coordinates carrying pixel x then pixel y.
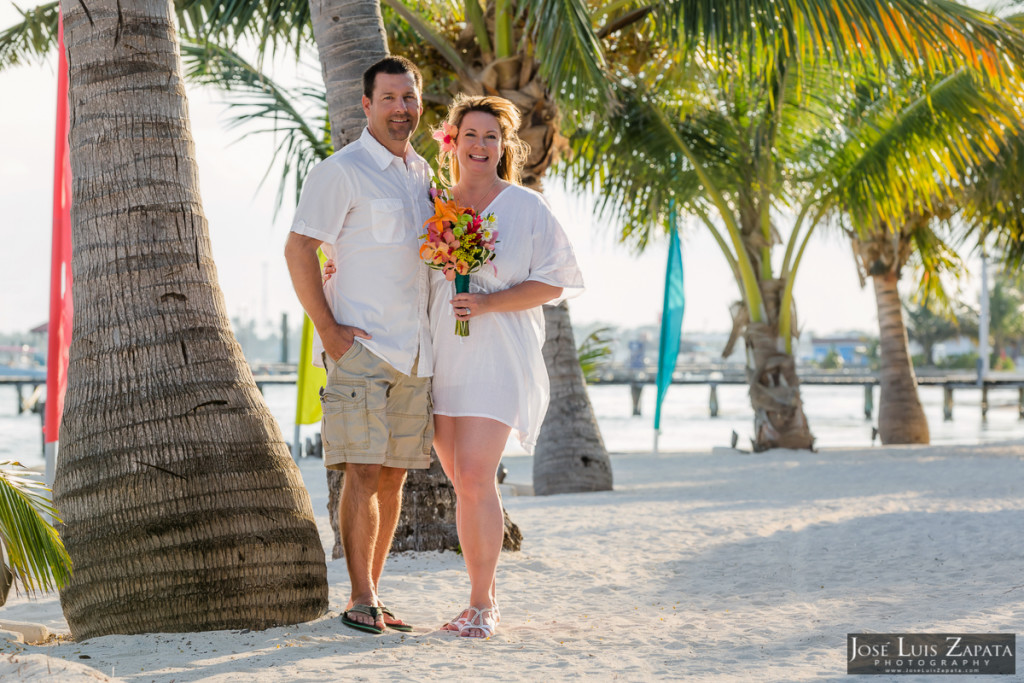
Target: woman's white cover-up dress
{"type": "Point", "coordinates": [498, 371]}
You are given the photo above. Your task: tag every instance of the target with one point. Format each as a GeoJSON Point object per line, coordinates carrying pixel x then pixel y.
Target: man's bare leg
{"type": "Point", "coordinates": [389, 504]}
{"type": "Point", "coordinates": [359, 520]}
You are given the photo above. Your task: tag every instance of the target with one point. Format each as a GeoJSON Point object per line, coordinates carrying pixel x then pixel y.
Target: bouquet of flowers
{"type": "Point", "coordinates": [458, 242]}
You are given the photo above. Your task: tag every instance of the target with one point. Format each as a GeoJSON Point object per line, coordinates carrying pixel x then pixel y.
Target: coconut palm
{"type": "Point", "coordinates": [960, 123]}
{"type": "Point", "coordinates": [30, 548]}
{"type": "Point", "coordinates": [740, 142]}
{"type": "Point", "coordinates": [182, 508]}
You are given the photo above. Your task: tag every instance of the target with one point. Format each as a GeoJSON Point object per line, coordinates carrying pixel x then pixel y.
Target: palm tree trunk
{"type": "Point", "coordinates": [182, 508]}
{"type": "Point", "coordinates": [350, 38]}
{"type": "Point", "coordinates": [779, 420]}
{"type": "Point", "coordinates": [901, 418]}
{"type": "Point", "coordinates": [570, 456]}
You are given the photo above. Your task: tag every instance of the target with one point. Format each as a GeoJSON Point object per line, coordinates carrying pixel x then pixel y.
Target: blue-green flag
{"type": "Point", "coordinates": [671, 317]}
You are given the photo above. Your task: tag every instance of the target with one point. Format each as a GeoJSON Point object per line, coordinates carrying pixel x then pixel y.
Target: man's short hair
{"type": "Point", "coordinates": [390, 65]}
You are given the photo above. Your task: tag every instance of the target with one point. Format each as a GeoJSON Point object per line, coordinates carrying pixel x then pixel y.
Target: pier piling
{"type": "Point", "coordinates": [635, 390]}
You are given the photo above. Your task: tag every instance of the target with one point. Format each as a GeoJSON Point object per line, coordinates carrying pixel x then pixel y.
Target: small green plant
{"type": "Point", "coordinates": [832, 360]}
{"type": "Point", "coordinates": [32, 548]}
{"type": "Point", "coordinates": [594, 352]}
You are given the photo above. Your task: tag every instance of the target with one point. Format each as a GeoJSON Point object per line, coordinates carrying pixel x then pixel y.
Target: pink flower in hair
{"type": "Point", "coordinates": [446, 136]}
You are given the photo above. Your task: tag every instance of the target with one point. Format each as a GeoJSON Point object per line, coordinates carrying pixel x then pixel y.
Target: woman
{"type": "Point", "coordinates": [493, 381]}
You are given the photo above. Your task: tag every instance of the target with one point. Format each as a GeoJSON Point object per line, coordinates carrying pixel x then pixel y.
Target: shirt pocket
{"type": "Point", "coordinates": [389, 222]}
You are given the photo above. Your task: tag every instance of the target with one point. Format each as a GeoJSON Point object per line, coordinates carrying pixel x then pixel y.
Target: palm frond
{"type": "Point", "coordinates": [568, 52]}
{"type": "Point", "coordinates": [36, 553]}
{"type": "Point", "coordinates": [935, 258]}
{"type": "Point", "coordinates": [296, 116]}
{"type": "Point", "coordinates": [625, 159]}
{"type": "Point", "coordinates": [594, 352]}
{"type": "Point", "coordinates": [994, 201]}
{"type": "Point", "coordinates": [914, 144]}
{"type": "Point", "coordinates": [938, 36]}
{"type": "Point", "coordinates": [270, 24]}
{"type": "Point", "coordinates": [432, 35]}
{"type": "Point", "coordinates": [31, 39]}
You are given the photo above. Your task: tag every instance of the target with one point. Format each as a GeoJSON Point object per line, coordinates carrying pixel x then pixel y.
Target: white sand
{"type": "Point", "coordinates": [721, 566]}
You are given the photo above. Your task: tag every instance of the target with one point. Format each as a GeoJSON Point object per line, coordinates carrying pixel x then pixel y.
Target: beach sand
{"type": "Point", "coordinates": [709, 566]}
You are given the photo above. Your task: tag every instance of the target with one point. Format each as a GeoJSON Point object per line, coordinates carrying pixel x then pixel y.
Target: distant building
{"type": "Point", "coordinates": [853, 350]}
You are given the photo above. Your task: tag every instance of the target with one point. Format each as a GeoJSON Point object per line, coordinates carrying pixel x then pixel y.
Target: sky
{"type": "Point", "coordinates": [623, 289]}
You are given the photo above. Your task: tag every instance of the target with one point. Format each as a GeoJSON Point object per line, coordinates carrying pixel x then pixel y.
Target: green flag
{"type": "Point", "coordinates": [311, 379]}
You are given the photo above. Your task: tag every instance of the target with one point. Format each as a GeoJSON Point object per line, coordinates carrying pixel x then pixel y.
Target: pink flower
{"type": "Point", "coordinates": [446, 136]}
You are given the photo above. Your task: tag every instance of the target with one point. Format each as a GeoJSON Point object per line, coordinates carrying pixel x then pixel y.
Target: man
{"type": "Point", "coordinates": [365, 205]}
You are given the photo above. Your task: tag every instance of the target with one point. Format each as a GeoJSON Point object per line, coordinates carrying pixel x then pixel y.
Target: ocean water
{"type": "Point", "coordinates": [836, 416]}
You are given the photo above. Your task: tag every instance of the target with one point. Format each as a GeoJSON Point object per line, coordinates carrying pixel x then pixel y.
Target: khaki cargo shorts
{"type": "Point", "coordinates": [373, 414]}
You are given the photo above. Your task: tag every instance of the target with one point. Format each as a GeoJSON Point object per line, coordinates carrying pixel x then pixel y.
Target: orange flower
{"type": "Point", "coordinates": [443, 212]}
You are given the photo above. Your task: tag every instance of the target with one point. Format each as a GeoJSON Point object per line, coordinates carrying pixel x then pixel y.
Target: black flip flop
{"type": "Point", "coordinates": [404, 627]}
{"type": "Point", "coordinates": [370, 611]}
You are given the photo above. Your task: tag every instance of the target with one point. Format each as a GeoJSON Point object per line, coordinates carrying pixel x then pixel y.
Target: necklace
{"type": "Point", "coordinates": [484, 197]}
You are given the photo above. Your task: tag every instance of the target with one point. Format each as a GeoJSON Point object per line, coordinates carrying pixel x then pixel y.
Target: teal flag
{"type": "Point", "coordinates": [671, 317]}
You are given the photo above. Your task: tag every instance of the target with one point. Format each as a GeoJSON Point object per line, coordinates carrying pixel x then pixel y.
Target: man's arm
{"type": "Point", "coordinates": [304, 268]}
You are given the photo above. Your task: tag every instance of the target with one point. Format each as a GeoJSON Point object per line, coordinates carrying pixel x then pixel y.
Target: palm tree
{"type": "Point", "coordinates": [959, 123]}
{"type": "Point", "coordinates": [740, 140]}
{"type": "Point", "coordinates": [28, 540]}
{"type": "Point", "coordinates": [182, 508]}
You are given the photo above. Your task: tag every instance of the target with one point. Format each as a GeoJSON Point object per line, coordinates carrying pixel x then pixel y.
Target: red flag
{"type": "Point", "coordinates": [61, 307]}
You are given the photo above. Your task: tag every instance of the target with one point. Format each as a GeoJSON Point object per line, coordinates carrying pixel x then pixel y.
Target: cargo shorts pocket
{"type": "Point", "coordinates": [345, 424]}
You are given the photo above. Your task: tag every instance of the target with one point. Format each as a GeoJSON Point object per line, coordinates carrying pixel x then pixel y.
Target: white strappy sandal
{"type": "Point", "coordinates": [483, 619]}
{"type": "Point", "coordinates": [458, 621]}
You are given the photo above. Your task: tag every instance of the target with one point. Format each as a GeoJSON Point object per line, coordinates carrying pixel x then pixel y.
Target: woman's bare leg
{"type": "Point", "coordinates": [479, 443]}
{"type": "Point", "coordinates": [444, 446]}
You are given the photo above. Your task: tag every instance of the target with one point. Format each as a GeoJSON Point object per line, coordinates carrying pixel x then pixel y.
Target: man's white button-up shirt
{"type": "Point", "coordinates": [368, 207]}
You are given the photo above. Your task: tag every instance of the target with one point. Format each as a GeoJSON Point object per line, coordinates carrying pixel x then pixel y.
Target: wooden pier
{"type": "Point", "coordinates": [30, 387]}
{"type": "Point", "coordinates": [715, 375]}
{"type": "Point", "coordinates": [34, 383]}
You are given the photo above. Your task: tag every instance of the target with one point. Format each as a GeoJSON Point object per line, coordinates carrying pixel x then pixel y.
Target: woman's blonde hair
{"type": "Point", "coordinates": [514, 150]}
